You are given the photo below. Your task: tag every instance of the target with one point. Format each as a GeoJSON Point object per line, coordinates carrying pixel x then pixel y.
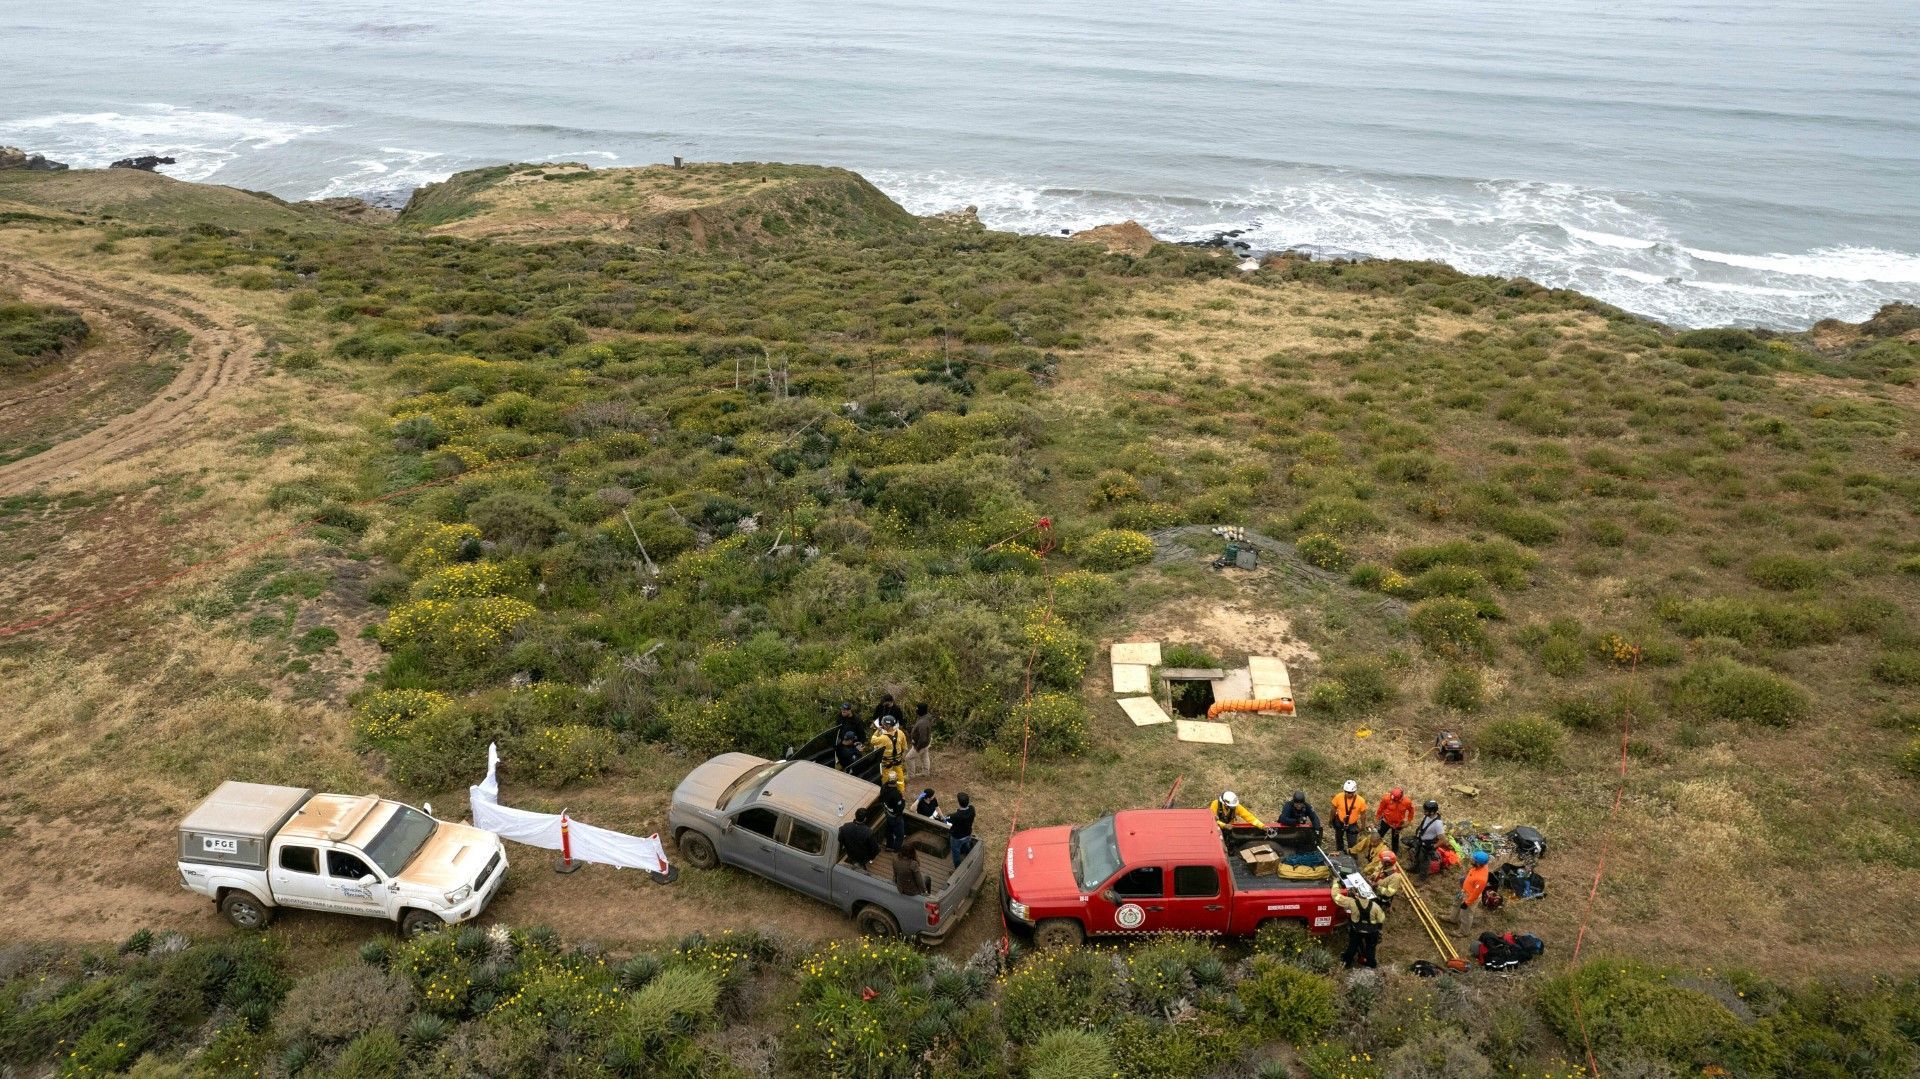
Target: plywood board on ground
{"type": "Point", "coordinates": [1144, 711]}
{"type": "Point", "coordinates": [1198, 730]}
{"type": "Point", "coordinates": [1131, 678]}
{"type": "Point", "coordinates": [1270, 678]}
{"type": "Point", "coordinates": [1142, 652]}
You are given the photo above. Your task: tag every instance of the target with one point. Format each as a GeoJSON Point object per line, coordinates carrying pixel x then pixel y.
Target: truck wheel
{"type": "Point", "coordinates": [877, 922]}
{"type": "Point", "coordinates": [243, 910]}
{"type": "Point", "coordinates": [416, 922]}
{"type": "Point", "coordinates": [1058, 933]}
{"type": "Point", "coordinates": [698, 850]}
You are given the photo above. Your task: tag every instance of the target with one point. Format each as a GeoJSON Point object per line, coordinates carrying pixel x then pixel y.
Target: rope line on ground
{"type": "Point", "coordinates": [1600, 868]}
{"type": "Point", "coordinates": [1045, 525]}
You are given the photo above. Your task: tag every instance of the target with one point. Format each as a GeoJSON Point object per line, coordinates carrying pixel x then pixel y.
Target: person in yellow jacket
{"type": "Point", "coordinates": [891, 741]}
{"type": "Point", "coordinates": [1227, 812]}
{"type": "Point", "coordinates": [1349, 812]}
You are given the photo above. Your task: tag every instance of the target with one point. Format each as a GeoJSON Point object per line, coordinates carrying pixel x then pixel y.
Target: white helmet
{"type": "Point", "coordinates": [1229, 799]}
{"type": "Point", "coordinates": [1349, 786]}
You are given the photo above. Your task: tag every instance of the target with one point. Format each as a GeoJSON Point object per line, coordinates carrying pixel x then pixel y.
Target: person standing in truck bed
{"type": "Point", "coordinates": [961, 824]}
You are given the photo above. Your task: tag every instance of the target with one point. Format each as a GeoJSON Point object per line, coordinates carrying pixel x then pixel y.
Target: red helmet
{"type": "Point", "coordinates": [1387, 857]}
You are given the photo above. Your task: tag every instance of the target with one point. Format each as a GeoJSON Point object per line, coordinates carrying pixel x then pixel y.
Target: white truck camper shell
{"type": "Point", "coordinates": [237, 822]}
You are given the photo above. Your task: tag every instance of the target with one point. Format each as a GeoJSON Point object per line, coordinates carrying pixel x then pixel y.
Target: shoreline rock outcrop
{"type": "Point", "coordinates": [12, 158]}
{"type": "Point", "coordinates": [145, 162]}
{"type": "Point", "coordinates": [1123, 238]}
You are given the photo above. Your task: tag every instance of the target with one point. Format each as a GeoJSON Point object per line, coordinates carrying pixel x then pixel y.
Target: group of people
{"type": "Point", "coordinates": [1348, 815]}
{"type": "Point", "coordinates": [905, 750]}
{"type": "Point", "coordinates": [861, 843]}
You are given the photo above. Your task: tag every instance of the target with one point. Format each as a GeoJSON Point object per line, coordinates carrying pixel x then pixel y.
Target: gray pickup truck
{"type": "Point", "coordinates": [781, 819]}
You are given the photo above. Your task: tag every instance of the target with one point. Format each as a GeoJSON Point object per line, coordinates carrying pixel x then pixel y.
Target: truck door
{"type": "Point", "coordinates": [751, 845]}
{"type": "Point", "coordinates": [345, 870]}
{"type": "Point", "coordinates": [802, 857]}
{"type": "Point", "coordinates": [296, 878]}
{"type": "Point", "coordinates": [1199, 902]}
{"type": "Point", "coordinates": [1136, 902]}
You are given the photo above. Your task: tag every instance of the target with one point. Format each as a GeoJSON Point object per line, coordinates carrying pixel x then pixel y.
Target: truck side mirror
{"type": "Point", "coordinates": [1110, 896]}
{"type": "Point", "coordinates": [727, 827]}
{"type": "Point", "coordinates": [368, 881]}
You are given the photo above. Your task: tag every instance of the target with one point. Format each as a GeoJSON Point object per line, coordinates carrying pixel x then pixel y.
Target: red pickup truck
{"type": "Point", "coordinates": [1149, 871]}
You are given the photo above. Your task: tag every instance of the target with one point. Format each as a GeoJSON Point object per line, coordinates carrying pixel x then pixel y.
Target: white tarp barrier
{"type": "Point", "coordinates": [590, 844]}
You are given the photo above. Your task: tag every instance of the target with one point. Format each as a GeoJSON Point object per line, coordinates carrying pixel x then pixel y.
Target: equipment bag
{"type": "Point", "coordinates": [1497, 952]}
{"type": "Point", "coordinates": [1528, 841]}
{"type": "Point", "coordinates": [1529, 945]}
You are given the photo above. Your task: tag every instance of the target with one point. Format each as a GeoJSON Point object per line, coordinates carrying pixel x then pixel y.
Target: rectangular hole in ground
{"type": "Point", "coordinates": [1191, 698]}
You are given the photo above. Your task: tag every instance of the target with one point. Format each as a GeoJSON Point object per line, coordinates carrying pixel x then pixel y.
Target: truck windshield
{"type": "Point", "coordinates": [1095, 850]}
{"type": "Point", "coordinates": [750, 780]}
{"type": "Point", "coordinates": [400, 840]}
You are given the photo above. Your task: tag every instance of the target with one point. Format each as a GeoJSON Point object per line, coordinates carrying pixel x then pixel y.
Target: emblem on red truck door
{"type": "Point", "coordinates": [1130, 916]}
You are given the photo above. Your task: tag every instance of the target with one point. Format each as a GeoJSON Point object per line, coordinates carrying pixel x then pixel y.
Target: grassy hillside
{"type": "Point", "coordinates": [1511, 511]}
{"type": "Point", "coordinates": [697, 207]}
{"type": "Point", "coordinates": [134, 197]}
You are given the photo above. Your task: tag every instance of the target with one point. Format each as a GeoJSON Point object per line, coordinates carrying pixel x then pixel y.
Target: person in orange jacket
{"type": "Point", "coordinates": [1392, 814]}
{"type": "Point", "coordinates": [1349, 810]}
{"type": "Point", "coordinates": [1471, 889]}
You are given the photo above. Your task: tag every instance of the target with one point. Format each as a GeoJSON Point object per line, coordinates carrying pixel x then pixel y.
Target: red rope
{"type": "Point", "coordinates": [1599, 869]}
{"type": "Point", "coordinates": [1026, 735]}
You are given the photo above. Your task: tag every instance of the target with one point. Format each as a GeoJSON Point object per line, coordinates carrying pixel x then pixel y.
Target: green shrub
{"type": "Point", "coordinates": [1629, 1007]}
{"type": "Point", "coordinates": [1449, 625]}
{"type": "Point", "coordinates": [1320, 549]}
{"type": "Point", "coordinates": [1909, 760]}
{"type": "Point", "coordinates": [1115, 549]}
{"type": "Point", "coordinates": [1526, 739]}
{"type": "Point", "coordinates": [1069, 1054]}
{"type": "Point", "coordinates": [1900, 668]}
{"type": "Point", "coordinates": [1461, 689]}
{"type": "Point", "coordinates": [1336, 515]}
{"type": "Point", "coordinates": [1059, 653]}
{"type": "Point", "coordinates": [1447, 580]}
{"type": "Point", "coordinates": [1521, 525]}
{"type": "Point", "coordinates": [678, 1000]}
{"type": "Point", "coordinates": [1151, 1049]}
{"type": "Point", "coordinates": [341, 1003]}
{"type": "Point", "coordinates": [1051, 726]}
{"type": "Point", "coordinates": [1785, 572]}
{"type": "Point", "coordinates": [442, 750]}
{"type": "Point", "coordinates": [1722, 688]}
{"type": "Point", "coordinates": [1562, 656]}
{"type": "Point", "coordinates": [1063, 988]}
{"type": "Point", "coordinates": [559, 755]}
{"type": "Point", "coordinates": [1286, 1002]}
{"type": "Point", "coordinates": [376, 1054]}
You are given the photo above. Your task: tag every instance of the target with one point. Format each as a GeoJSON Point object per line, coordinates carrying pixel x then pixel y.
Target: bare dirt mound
{"type": "Point", "coordinates": [220, 357]}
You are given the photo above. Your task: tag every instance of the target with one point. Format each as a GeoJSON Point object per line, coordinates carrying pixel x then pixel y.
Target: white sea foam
{"type": "Point", "coordinates": [1617, 246]}
{"type": "Point", "coordinates": [396, 170]}
{"type": "Point", "coordinates": [203, 141]}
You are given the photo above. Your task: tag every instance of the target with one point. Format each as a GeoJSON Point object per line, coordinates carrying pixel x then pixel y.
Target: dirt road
{"type": "Point", "coordinates": [221, 356]}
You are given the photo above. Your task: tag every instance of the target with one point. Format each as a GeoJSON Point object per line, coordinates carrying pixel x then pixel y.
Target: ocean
{"type": "Point", "coordinates": [1749, 162]}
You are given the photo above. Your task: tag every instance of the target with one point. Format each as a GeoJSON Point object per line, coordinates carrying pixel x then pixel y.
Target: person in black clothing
{"type": "Point", "coordinates": [856, 840]}
{"type": "Point", "coordinates": [906, 872]}
{"type": "Point", "coordinates": [886, 707]}
{"type": "Point", "coordinates": [927, 805]}
{"type": "Point", "coordinates": [895, 804]}
{"type": "Point", "coordinates": [850, 750]}
{"type": "Point", "coordinates": [962, 824]}
{"type": "Point", "coordinates": [849, 720]}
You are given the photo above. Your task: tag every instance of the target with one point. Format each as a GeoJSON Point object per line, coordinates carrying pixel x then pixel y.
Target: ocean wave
{"type": "Point", "coordinates": [395, 172]}
{"type": "Point", "coordinates": [203, 141]}
{"type": "Point", "coordinates": [1865, 264]}
{"type": "Point", "coordinates": [1622, 247]}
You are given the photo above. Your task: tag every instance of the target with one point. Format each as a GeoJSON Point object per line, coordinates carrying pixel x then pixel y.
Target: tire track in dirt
{"type": "Point", "coordinates": [221, 357]}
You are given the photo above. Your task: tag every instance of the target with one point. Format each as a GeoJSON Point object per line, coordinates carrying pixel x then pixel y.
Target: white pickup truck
{"type": "Point", "coordinates": [252, 848]}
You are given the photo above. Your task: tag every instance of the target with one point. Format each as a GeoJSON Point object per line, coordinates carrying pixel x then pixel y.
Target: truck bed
{"type": "Point", "coordinates": [1245, 880]}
